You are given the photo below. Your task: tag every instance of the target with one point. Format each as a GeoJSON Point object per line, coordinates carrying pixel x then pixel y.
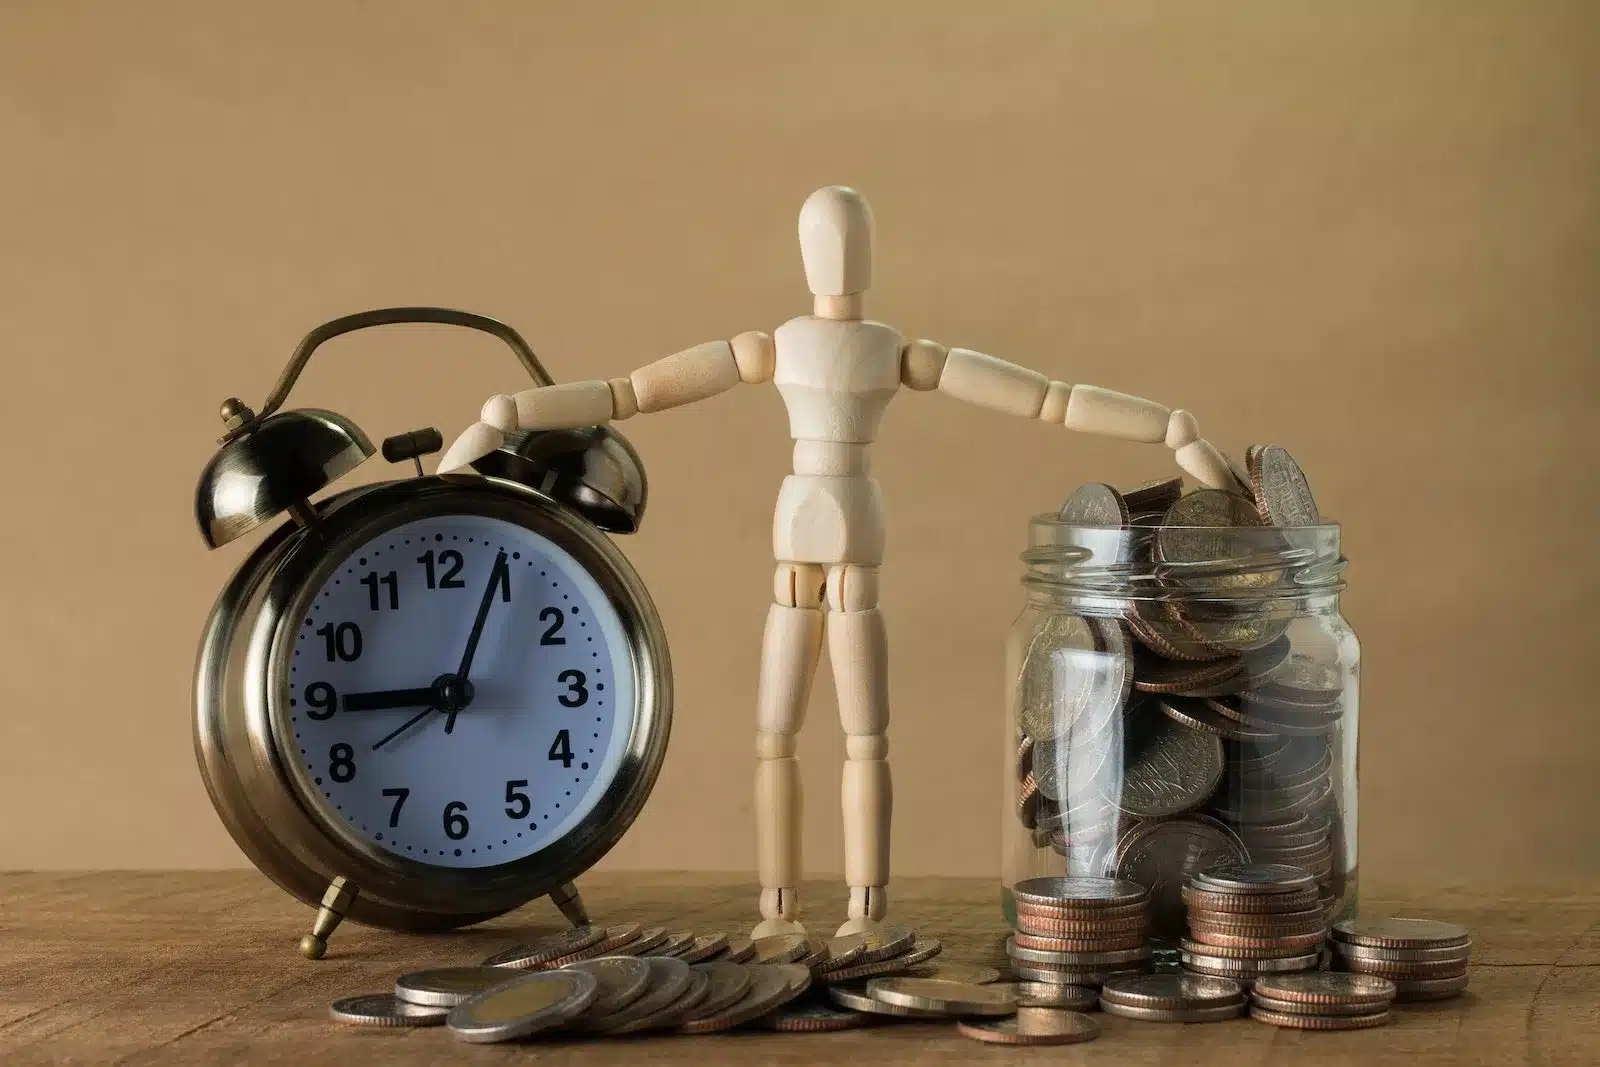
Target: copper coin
{"type": "Point", "coordinates": [813, 1018]}
{"type": "Point", "coordinates": [1078, 893]}
{"type": "Point", "coordinates": [1289, 1007]}
{"type": "Point", "coordinates": [1158, 627]}
{"type": "Point", "coordinates": [1152, 675]}
{"type": "Point", "coordinates": [1033, 1026]}
{"type": "Point", "coordinates": [1197, 715]}
{"type": "Point", "coordinates": [1024, 756]}
{"type": "Point", "coordinates": [1078, 944]}
{"type": "Point", "coordinates": [1398, 972]}
{"type": "Point", "coordinates": [1057, 995]}
{"type": "Point", "coordinates": [1451, 954]}
{"type": "Point", "coordinates": [1093, 959]}
{"type": "Point", "coordinates": [1241, 904]}
{"type": "Point", "coordinates": [1327, 987]}
{"type": "Point", "coordinates": [1263, 944]}
{"type": "Point", "coordinates": [1028, 801]}
{"type": "Point", "coordinates": [1178, 991]}
{"type": "Point", "coordinates": [1070, 911]}
{"type": "Point", "coordinates": [1400, 933]}
{"type": "Point", "coordinates": [1259, 924]}
{"type": "Point", "coordinates": [1319, 1022]}
{"type": "Point", "coordinates": [1081, 929]}
{"type": "Point", "coordinates": [1174, 1015]}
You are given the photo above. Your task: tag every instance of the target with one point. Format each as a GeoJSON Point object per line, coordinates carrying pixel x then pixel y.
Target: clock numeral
{"type": "Point", "coordinates": [455, 821]}
{"type": "Point", "coordinates": [449, 565]}
{"type": "Point", "coordinates": [344, 641]}
{"type": "Point", "coordinates": [372, 581]}
{"type": "Point", "coordinates": [399, 802]}
{"type": "Point", "coordinates": [517, 803]}
{"type": "Point", "coordinates": [555, 618]}
{"type": "Point", "coordinates": [341, 762]}
{"type": "Point", "coordinates": [561, 748]}
{"type": "Point", "coordinates": [322, 698]}
{"type": "Point", "coordinates": [576, 695]}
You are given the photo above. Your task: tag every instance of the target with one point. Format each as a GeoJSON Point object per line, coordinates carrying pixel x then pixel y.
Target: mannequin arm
{"type": "Point", "coordinates": [681, 378]}
{"type": "Point", "coordinates": [994, 383]}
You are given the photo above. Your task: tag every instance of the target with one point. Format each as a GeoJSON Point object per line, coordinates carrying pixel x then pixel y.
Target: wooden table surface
{"type": "Point", "coordinates": [177, 968]}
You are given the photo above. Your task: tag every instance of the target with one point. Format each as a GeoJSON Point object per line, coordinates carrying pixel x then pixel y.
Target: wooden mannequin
{"type": "Point", "coordinates": [837, 373]}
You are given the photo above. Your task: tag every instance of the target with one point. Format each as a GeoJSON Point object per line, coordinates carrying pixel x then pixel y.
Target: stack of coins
{"type": "Point", "coordinates": [1322, 1001]}
{"type": "Point", "coordinates": [1173, 998]}
{"type": "Point", "coordinates": [1426, 960]}
{"type": "Point", "coordinates": [1162, 732]}
{"type": "Point", "coordinates": [1077, 932]}
{"type": "Point", "coordinates": [1250, 920]}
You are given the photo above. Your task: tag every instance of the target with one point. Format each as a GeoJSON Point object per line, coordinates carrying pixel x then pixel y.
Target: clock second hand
{"type": "Point", "coordinates": [408, 724]}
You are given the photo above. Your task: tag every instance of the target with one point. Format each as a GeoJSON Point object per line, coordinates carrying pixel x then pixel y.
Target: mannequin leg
{"type": "Point", "coordinates": [790, 649]}
{"type": "Point", "coordinates": [858, 650]}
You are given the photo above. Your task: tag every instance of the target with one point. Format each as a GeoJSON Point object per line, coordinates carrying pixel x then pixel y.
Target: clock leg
{"type": "Point", "coordinates": [335, 902]}
{"type": "Point", "coordinates": [566, 898]}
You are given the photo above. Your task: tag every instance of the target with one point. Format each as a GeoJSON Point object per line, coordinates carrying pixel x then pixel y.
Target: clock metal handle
{"type": "Point", "coordinates": [391, 316]}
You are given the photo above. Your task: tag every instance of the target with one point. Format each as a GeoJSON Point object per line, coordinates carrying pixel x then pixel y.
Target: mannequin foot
{"type": "Point", "coordinates": [860, 926]}
{"type": "Point", "coordinates": [774, 927]}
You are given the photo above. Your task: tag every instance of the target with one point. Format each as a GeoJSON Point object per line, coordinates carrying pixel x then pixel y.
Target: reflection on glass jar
{"type": "Point", "coordinates": [1181, 697]}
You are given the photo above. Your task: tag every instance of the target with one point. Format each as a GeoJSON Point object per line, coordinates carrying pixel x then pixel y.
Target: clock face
{"type": "Point", "coordinates": [460, 692]}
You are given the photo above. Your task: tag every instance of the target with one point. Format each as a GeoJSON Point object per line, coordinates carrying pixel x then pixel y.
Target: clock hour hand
{"type": "Point", "coordinates": [384, 699]}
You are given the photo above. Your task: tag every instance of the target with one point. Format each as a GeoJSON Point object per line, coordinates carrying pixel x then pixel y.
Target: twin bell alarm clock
{"type": "Point", "coordinates": [423, 702]}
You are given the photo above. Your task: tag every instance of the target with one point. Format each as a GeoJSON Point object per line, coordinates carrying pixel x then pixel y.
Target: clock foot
{"type": "Point", "coordinates": [335, 902]}
{"type": "Point", "coordinates": [566, 898]}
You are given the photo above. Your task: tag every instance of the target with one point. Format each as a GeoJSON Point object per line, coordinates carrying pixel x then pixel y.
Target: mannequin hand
{"type": "Point", "coordinates": [498, 418]}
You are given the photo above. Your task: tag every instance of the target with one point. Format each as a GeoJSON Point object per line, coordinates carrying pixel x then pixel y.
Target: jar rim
{"type": "Point", "coordinates": [1050, 519]}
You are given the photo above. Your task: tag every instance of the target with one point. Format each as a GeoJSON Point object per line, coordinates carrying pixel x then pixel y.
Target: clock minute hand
{"type": "Point", "coordinates": [496, 573]}
{"type": "Point", "coordinates": [384, 699]}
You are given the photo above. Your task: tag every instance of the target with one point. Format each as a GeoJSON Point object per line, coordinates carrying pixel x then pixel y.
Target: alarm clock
{"type": "Point", "coordinates": [423, 702]}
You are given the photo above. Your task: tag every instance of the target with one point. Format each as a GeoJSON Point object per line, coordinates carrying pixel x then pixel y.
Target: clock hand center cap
{"type": "Point", "coordinates": [452, 693]}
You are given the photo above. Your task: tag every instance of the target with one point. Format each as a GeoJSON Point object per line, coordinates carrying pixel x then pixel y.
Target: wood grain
{"type": "Point", "coordinates": [186, 968]}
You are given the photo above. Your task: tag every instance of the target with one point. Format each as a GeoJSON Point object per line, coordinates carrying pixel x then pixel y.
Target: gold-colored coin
{"type": "Point", "coordinates": [523, 1006]}
{"type": "Point", "coordinates": [780, 948]}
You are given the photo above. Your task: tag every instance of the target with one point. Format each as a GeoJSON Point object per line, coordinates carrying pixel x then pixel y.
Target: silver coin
{"type": "Point", "coordinates": [623, 980]}
{"type": "Point", "coordinates": [1289, 1007]}
{"type": "Point", "coordinates": [1282, 495]}
{"type": "Point", "coordinates": [1401, 933]}
{"type": "Point", "coordinates": [1174, 1015]}
{"type": "Point", "coordinates": [1172, 990]}
{"type": "Point", "coordinates": [386, 1010]}
{"type": "Point", "coordinates": [1253, 878]}
{"type": "Point", "coordinates": [1087, 960]}
{"type": "Point", "coordinates": [1058, 677]}
{"type": "Point", "coordinates": [676, 943]}
{"type": "Point", "coordinates": [523, 1006]}
{"type": "Point", "coordinates": [971, 973]}
{"type": "Point", "coordinates": [671, 1014]}
{"type": "Point", "coordinates": [1094, 505]}
{"type": "Point", "coordinates": [669, 979]}
{"type": "Point", "coordinates": [1165, 854]}
{"type": "Point", "coordinates": [445, 987]}
{"type": "Point", "coordinates": [885, 943]}
{"type": "Point", "coordinates": [1170, 768]}
{"type": "Point", "coordinates": [728, 983]}
{"type": "Point", "coordinates": [1078, 893]}
{"type": "Point", "coordinates": [705, 947]}
{"type": "Point", "coordinates": [1056, 995]}
{"type": "Point", "coordinates": [772, 986]}
{"type": "Point", "coordinates": [545, 949]}
{"type": "Point", "coordinates": [781, 948]}
{"type": "Point", "coordinates": [946, 998]}
{"type": "Point", "coordinates": [1043, 972]}
{"type": "Point", "coordinates": [1197, 714]}
{"type": "Point", "coordinates": [1450, 954]}
{"type": "Point", "coordinates": [740, 950]}
{"type": "Point", "coordinates": [1201, 542]}
{"type": "Point", "coordinates": [643, 944]}
{"type": "Point", "coordinates": [1153, 496]}
{"type": "Point", "coordinates": [855, 997]}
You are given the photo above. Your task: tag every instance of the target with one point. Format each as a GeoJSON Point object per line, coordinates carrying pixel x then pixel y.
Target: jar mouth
{"type": "Point", "coordinates": [1152, 561]}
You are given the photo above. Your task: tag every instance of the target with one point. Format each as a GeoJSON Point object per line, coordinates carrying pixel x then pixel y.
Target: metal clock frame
{"type": "Point", "coordinates": [241, 681]}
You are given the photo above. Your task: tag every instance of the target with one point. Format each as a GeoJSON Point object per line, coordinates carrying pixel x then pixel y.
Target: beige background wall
{"type": "Point", "coordinates": [1369, 232]}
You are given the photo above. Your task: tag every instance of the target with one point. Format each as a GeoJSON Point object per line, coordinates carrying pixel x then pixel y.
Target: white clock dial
{"type": "Point", "coordinates": [451, 771]}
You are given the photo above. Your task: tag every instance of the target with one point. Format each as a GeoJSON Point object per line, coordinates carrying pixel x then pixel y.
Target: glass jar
{"type": "Point", "coordinates": [1171, 716]}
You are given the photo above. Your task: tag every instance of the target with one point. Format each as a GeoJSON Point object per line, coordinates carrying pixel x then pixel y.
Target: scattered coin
{"type": "Point", "coordinates": [813, 1018]}
{"type": "Point", "coordinates": [855, 997]}
{"type": "Point", "coordinates": [845, 950]}
{"type": "Point", "coordinates": [523, 1006]}
{"type": "Point", "coordinates": [447, 986]}
{"type": "Point", "coordinates": [669, 979]}
{"type": "Point", "coordinates": [622, 980]}
{"type": "Point", "coordinates": [780, 948]}
{"type": "Point", "coordinates": [675, 944]}
{"type": "Point", "coordinates": [672, 1013]}
{"type": "Point", "coordinates": [643, 944]}
{"type": "Point", "coordinates": [1033, 1026]}
{"type": "Point", "coordinates": [1175, 991]}
{"type": "Point", "coordinates": [1319, 1022]}
{"type": "Point", "coordinates": [704, 947]}
{"type": "Point", "coordinates": [740, 950]}
{"type": "Point", "coordinates": [948, 998]}
{"type": "Point", "coordinates": [728, 983]}
{"type": "Point", "coordinates": [770, 989]}
{"type": "Point", "coordinates": [1174, 1015]}
{"type": "Point", "coordinates": [886, 943]}
{"type": "Point", "coordinates": [1326, 988]}
{"type": "Point", "coordinates": [546, 949]}
{"type": "Point", "coordinates": [971, 973]}
{"type": "Point", "coordinates": [387, 1010]}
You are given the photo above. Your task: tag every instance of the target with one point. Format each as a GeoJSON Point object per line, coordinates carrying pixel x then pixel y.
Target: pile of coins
{"type": "Point", "coordinates": [1172, 724]}
{"type": "Point", "coordinates": [1173, 998]}
{"type": "Point", "coordinates": [1072, 934]}
{"type": "Point", "coordinates": [1253, 919]}
{"type": "Point", "coordinates": [1321, 1001]}
{"type": "Point", "coordinates": [1425, 959]}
